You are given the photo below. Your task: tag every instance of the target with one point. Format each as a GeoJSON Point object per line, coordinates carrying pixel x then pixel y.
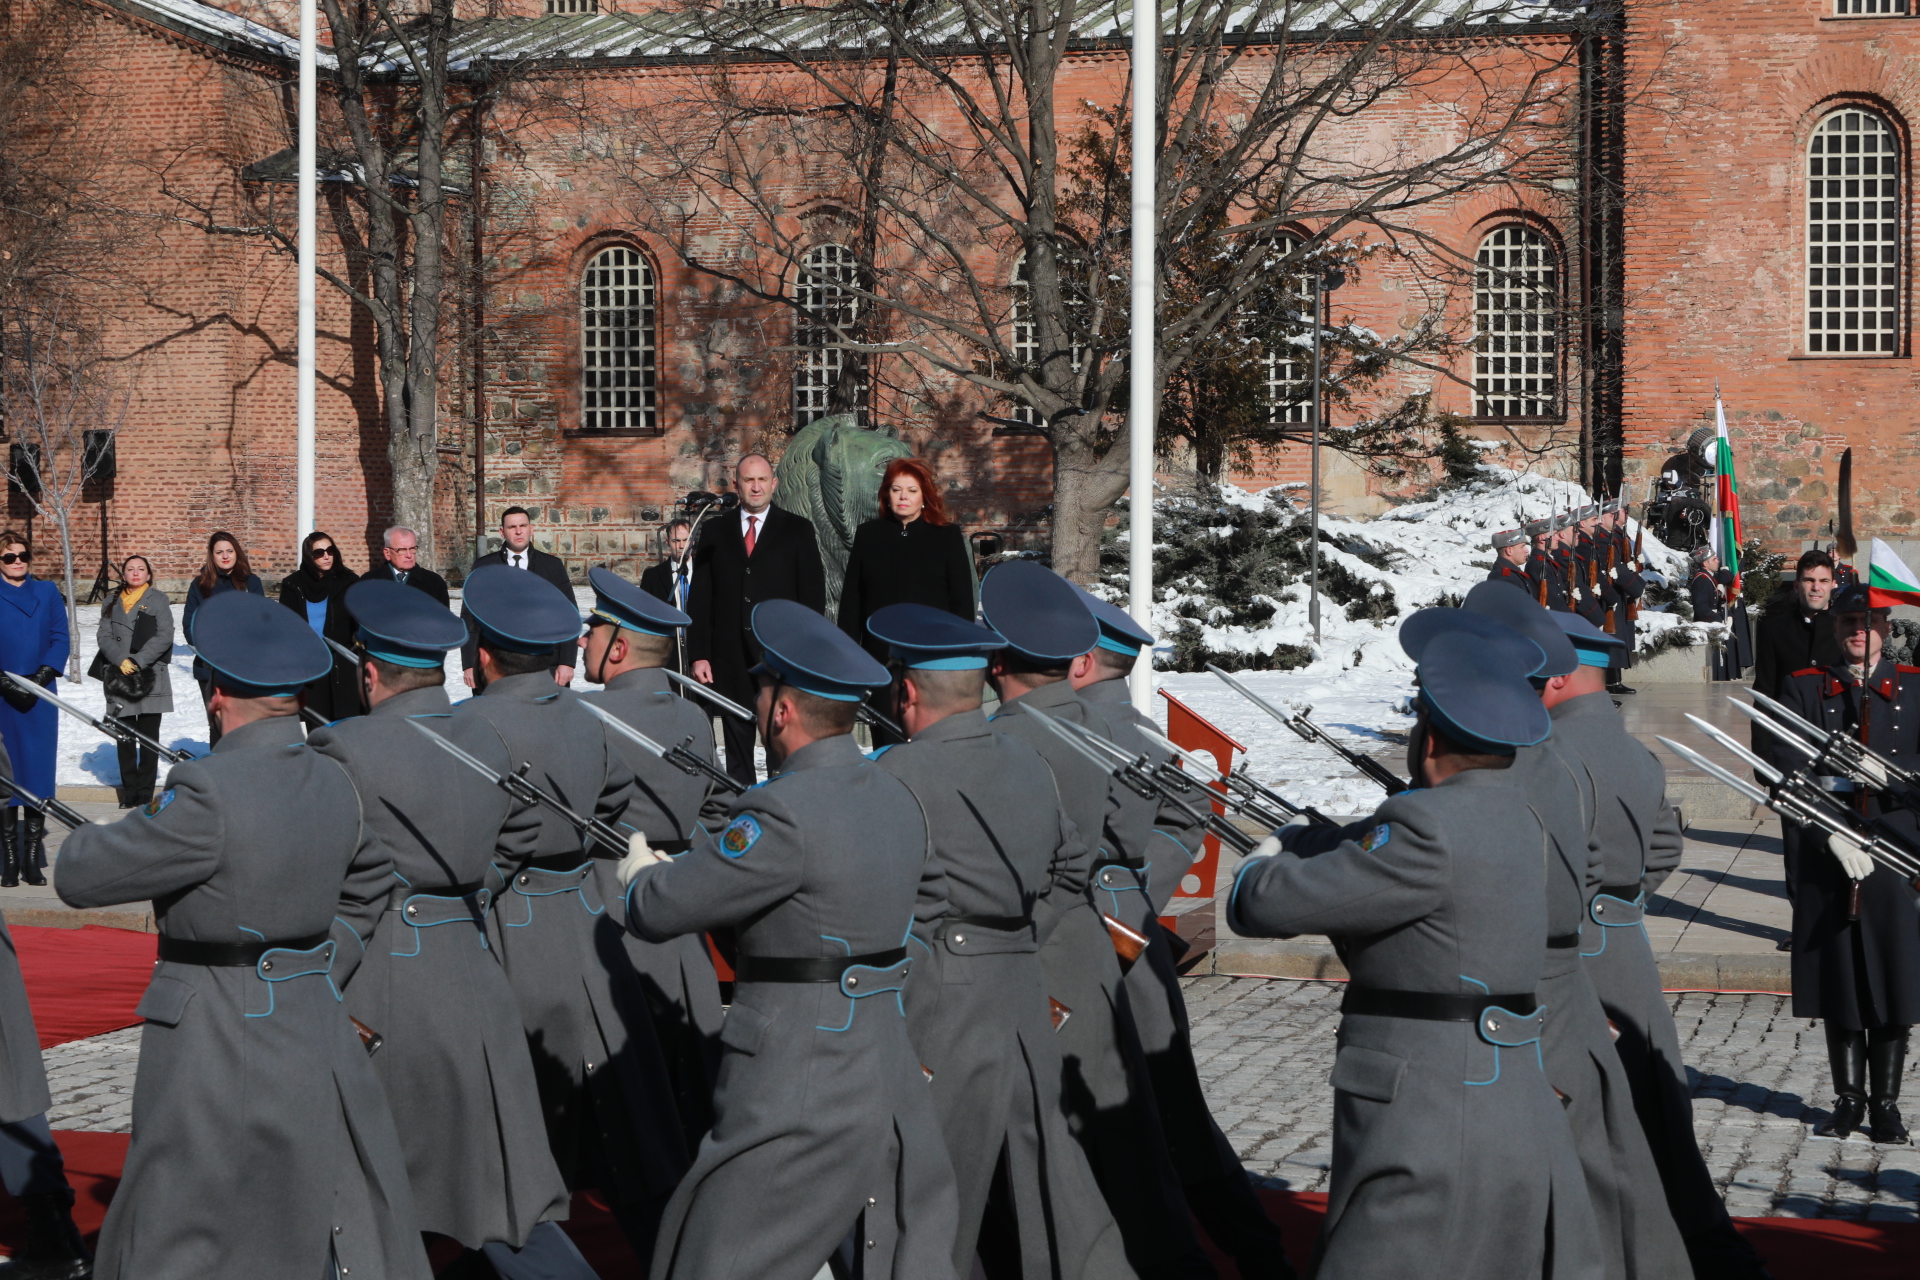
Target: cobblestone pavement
{"type": "Point", "coordinates": [1264, 1048]}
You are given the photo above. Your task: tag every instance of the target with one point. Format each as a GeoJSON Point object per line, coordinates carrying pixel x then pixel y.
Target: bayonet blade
{"type": "Point", "coordinates": [1101, 762]}
{"type": "Point", "coordinates": [478, 766]}
{"type": "Point", "coordinates": [1785, 734]}
{"type": "Point", "coordinates": [624, 729]}
{"type": "Point", "coordinates": [355, 658]}
{"type": "Point", "coordinates": [1766, 770]}
{"type": "Point", "coordinates": [708, 693]}
{"type": "Point", "coordinates": [1712, 770]}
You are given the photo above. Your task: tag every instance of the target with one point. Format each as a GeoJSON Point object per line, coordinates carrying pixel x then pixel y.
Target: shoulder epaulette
{"type": "Point", "coordinates": [1809, 671]}
{"type": "Point", "coordinates": [1906, 670]}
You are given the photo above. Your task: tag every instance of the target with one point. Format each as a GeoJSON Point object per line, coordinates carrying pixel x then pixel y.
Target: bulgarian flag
{"type": "Point", "coordinates": [1726, 526]}
{"type": "Point", "coordinates": [1889, 581]}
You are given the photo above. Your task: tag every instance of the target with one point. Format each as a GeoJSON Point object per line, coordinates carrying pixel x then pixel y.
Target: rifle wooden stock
{"type": "Point", "coordinates": [370, 1040]}
{"type": "Point", "coordinates": [1128, 944]}
{"type": "Point", "coordinates": [1058, 1012]}
{"type": "Point", "coordinates": [1609, 623]}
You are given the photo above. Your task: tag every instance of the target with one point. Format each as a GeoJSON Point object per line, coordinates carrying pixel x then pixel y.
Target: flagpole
{"type": "Point", "coordinates": [1141, 363]}
{"type": "Point", "coordinates": [304, 378]}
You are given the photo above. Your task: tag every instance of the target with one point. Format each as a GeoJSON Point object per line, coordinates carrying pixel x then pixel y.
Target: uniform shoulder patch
{"type": "Point", "coordinates": [1375, 838]}
{"type": "Point", "coordinates": [1906, 670]}
{"type": "Point", "coordinates": [158, 803]}
{"type": "Point", "coordinates": [740, 835]}
{"type": "Point", "coordinates": [1809, 671]}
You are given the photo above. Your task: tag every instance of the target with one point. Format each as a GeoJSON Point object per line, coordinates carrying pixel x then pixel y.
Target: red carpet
{"type": "Point", "coordinates": [83, 982]}
{"type": "Point", "coordinates": [1793, 1249]}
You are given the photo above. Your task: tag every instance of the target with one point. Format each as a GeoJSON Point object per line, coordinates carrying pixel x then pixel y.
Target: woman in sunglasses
{"type": "Point", "coordinates": [313, 591]}
{"type": "Point", "coordinates": [226, 569]}
{"type": "Point", "coordinates": [33, 644]}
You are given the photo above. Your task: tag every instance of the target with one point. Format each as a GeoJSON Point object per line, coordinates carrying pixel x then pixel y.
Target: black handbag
{"type": "Point", "coordinates": [121, 686]}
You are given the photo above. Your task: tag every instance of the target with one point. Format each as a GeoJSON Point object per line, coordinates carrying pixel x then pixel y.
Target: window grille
{"type": "Point", "coordinates": [828, 307]}
{"type": "Point", "coordinates": [1867, 8]}
{"type": "Point", "coordinates": [1026, 334]}
{"type": "Point", "coordinates": [1289, 368]}
{"type": "Point", "coordinates": [617, 342]}
{"type": "Point", "coordinates": [1853, 222]}
{"type": "Point", "coordinates": [573, 6]}
{"type": "Point", "coordinates": [1516, 326]}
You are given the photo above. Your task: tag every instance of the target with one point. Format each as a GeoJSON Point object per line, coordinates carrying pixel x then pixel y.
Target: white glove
{"type": "Point", "coordinates": [1266, 848]}
{"type": "Point", "coordinates": [639, 854]}
{"type": "Point", "coordinates": [1851, 854]}
{"type": "Point", "coordinates": [1874, 771]}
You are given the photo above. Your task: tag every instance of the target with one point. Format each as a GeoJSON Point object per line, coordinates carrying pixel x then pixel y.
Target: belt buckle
{"type": "Point", "coordinates": [290, 963]}
{"type": "Point", "coordinates": [864, 980]}
{"type": "Point", "coordinates": [1505, 1029]}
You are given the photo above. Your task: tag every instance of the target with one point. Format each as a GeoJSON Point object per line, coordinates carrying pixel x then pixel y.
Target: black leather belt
{"type": "Point", "coordinates": [1624, 892]}
{"type": "Point", "coordinates": [790, 969]}
{"type": "Point", "coordinates": [229, 954]}
{"type": "Point", "coordinates": [1429, 1006]}
{"type": "Point", "coordinates": [1006, 924]}
{"type": "Point", "coordinates": [1560, 942]}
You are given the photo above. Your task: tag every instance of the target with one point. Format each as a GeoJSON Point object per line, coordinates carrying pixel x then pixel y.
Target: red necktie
{"type": "Point", "coordinates": [752, 523]}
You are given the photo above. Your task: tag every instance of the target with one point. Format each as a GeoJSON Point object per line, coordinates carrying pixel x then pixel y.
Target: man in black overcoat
{"type": "Point", "coordinates": [400, 562]}
{"type": "Point", "coordinates": [1793, 634]}
{"type": "Point", "coordinates": [756, 553]}
{"type": "Point", "coordinates": [672, 579]}
{"type": "Point", "coordinates": [518, 552]}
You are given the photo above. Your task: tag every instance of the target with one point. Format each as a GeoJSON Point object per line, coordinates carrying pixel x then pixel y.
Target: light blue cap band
{"type": "Point", "coordinates": [1118, 646]}
{"type": "Point", "coordinates": [422, 661]}
{"type": "Point", "coordinates": [1592, 657]}
{"type": "Point", "coordinates": [962, 662]}
{"type": "Point", "coordinates": [806, 682]}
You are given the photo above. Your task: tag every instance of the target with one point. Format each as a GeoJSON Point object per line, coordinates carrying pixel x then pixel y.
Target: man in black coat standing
{"type": "Point", "coordinates": [518, 552]}
{"type": "Point", "coordinates": [757, 553]}
{"type": "Point", "coordinates": [1794, 633]}
{"type": "Point", "coordinates": [400, 562]}
{"type": "Point", "coordinates": [672, 579]}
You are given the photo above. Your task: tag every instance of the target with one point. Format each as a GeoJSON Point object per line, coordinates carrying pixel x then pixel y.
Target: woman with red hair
{"type": "Point", "coordinates": [912, 554]}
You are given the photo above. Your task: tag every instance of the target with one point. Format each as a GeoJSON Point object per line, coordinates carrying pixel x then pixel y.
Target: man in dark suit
{"type": "Point", "coordinates": [400, 561]}
{"type": "Point", "coordinates": [672, 579]}
{"type": "Point", "coordinates": [518, 552]}
{"type": "Point", "coordinates": [756, 553]}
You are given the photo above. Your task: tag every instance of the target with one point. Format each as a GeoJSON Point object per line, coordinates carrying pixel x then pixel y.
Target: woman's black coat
{"type": "Point", "coordinates": [914, 563]}
{"type": "Point", "coordinates": [335, 695]}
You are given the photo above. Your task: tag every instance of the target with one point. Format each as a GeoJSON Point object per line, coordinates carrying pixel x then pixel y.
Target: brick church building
{"type": "Point", "coordinates": [1733, 210]}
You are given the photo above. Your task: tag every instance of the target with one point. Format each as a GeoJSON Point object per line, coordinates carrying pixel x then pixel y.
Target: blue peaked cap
{"type": "Point", "coordinates": [803, 649]}
{"type": "Point", "coordinates": [1484, 704]}
{"type": "Point", "coordinates": [1592, 646]}
{"type": "Point", "coordinates": [258, 648]}
{"type": "Point", "coordinates": [1118, 631]}
{"type": "Point", "coordinates": [403, 625]}
{"type": "Point", "coordinates": [1526, 615]}
{"type": "Point", "coordinates": [1039, 612]}
{"type": "Point", "coordinates": [623, 604]}
{"type": "Point", "coordinates": [1503, 644]}
{"type": "Point", "coordinates": [930, 639]}
{"type": "Point", "coordinates": [519, 611]}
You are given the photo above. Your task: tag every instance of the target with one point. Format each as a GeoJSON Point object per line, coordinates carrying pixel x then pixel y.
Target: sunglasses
{"type": "Point", "coordinates": [322, 551]}
{"type": "Point", "coordinates": [15, 557]}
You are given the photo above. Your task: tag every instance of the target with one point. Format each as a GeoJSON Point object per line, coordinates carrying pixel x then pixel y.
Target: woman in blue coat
{"type": "Point", "coordinates": [33, 643]}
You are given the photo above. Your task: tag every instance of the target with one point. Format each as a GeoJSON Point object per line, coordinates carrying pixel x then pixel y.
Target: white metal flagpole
{"type": "Point", "coordinates": [1140, 401]}
{"type": "Point", "coordinates": [303, 385]}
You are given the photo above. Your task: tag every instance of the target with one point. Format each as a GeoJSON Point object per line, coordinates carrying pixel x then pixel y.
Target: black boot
{"type": "Point", "coordinates": [9, 847]}
{"type": "Point", "coordinates": [33, 846]}
{"type": "Point", "coordinates": [1847, 1053]}
{"type": "Point", "coordinates": [1886, 1060]}
{"type": "Point", "coordinates": [53, 1250]}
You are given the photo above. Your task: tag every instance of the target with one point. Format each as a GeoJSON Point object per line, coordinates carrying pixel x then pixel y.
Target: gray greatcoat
{"type": "Point", "coordinates": [823, 1121]}
{"type": "Point", "coordinates": [261, 1134]}
{"type": "Point", "coordinates": [1451, 1155]}
{"type": "Point", "coordinates": [1637, 1234]}
{"type": "Point", "coordinates": [455, 1061]}
{"type": "Point", "coordinates": [667, 804]}
{"type": "Point", "coordinates": [608, 1097]}
{"type": "Point", "coordinates": [115, 638]}
{"type": "Point", "coordinates": [23, 1075]}
{"type": "Point", "coordinates": [1638, 837]}
{"type": "Point", "coordinates": [976, 999]}
{"type": "Point", "coordinates": [1106, 1091]}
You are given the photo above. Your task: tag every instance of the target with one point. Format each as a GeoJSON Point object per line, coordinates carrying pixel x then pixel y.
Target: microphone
{"type": "Point", "coordinates": [728, 501]}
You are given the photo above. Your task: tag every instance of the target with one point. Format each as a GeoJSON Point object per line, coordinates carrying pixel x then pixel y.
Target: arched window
{"type": "Point", "coordinates": [828, 306]}
{"type": "Point", "coordinates": [1853, 219]}
{"type": "Point", "coordinates": [1289, 367]}
{"type": "Point", "coordinates": [616, 342]}
{"type": "Point", "coordinates": [1516, 325]}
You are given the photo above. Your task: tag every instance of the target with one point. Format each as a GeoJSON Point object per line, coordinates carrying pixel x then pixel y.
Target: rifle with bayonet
{"type": "Point", "coordinates": [119, 730]}
{"type": "Point", "coordinates": [1261, 803]}
{"type": "Point", "coordinates": [708, 694]}
{"type": "Point", "coordinates": [1830, 752]}
{"type": "Point", "coordinates": [516, 784]}
{"type": "Point", "coordinates": [60, 811]}
{"type": "Point", "coordinates": [1311, 732]}
{"type": "Point", "coordinates": [680, 757]}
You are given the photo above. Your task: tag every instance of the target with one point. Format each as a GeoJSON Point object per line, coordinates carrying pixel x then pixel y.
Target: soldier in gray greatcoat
{"type": "Point", "coordinates": [608, 1097]}
{"type": "Point", "coordinates": [976, 999]}
{"type": "Point", "coordinates": [1451, 1155]}
{"type": "Point", "coordinates": [454, 1056]}
{"type": "Point", "coordinates": [1637, 1233]}
{"type": "Point", "coordinates": [1155, 844]}
{"type": "Point", "coordinates": [1106, 1089]}
{"type": "Point", "coordinates": [262, 1143]}
{"type": "Point", "coordinates": [1638, 836]}
{"type": "Point", "coordinates": [824, 1138]}
{"type": "Point", "coordinates": [629, 642]}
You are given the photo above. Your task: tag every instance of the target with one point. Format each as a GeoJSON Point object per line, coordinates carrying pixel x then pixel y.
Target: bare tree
{"type": "Point", "coordinates": [961, 137]}
{"type": "Point", "coordinates": [57, 382]}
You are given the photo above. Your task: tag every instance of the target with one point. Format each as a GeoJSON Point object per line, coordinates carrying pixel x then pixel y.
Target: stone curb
{"type": "Point", "coordinates": [1679, 970]}
{"type": "Point", "coordinates": [59, 917]}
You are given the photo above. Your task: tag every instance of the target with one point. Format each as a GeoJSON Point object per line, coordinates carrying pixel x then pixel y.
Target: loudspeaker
{"type": "Point", "coordinates": [23, 468]}
{"type": "Point", "coordinates": [98, 456]}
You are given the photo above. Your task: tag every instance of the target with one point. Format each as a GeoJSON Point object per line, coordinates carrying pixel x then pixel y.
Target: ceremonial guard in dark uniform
{"type": "Point", "coordinates": [1451, 1154]}
{"type": "Point", "coordinates": [1628, 585]}
{"type": "Point", "coordinates": [1510, 554]}
{"type": "Point", "coordinates": [824, 1136]}
{"type": "Point", "coordinates": [1595, 588]}
{"type": "Point", "coordinates": [262, 1144]}
{"type": "Point", "coordinates": [1856, 950]}
{"type": "Point", "coordinates": [611, 1116]}
{"type": "Point", "coordinates": [1156, 844]}
{"type": "Point", "coordinates": [630, 639]}
{"type": "Point", "coordinates": [976, 999]}
{"type": "Point", "coordinates": [1106, 1089]}
{"type": "Point", "coordinates": [453, 1055]}
{"type": "Point", "coordinates": [1707, 588]}
{"type": "Point", "coordinates": [1545, 584]}
{"type": "Point", "coordinates": [1638, 839]}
